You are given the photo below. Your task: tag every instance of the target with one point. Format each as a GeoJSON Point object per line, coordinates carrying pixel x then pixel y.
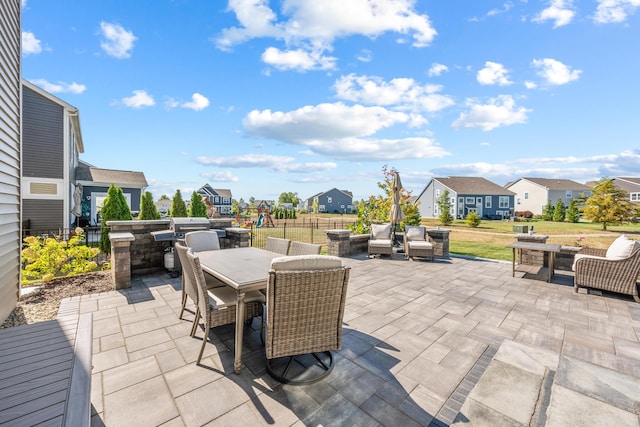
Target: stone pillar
{"type": "Point", "coordinates": [441, 239]}
{"type": "Point", "coordinates": [121, 259]}
{"type": "Point", "coordinates": [236, 238]}
{"type": "Point", "coordinates": [530, 257]}
{"type": "Point", "coordinates": [338, 243]}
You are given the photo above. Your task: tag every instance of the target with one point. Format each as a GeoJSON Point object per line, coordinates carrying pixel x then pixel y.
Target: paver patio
{"type": "Point", "coordinates": [457, 341]}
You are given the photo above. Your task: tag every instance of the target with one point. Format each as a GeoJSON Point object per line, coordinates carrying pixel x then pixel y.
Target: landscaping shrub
{"type": "Point", "coordinates": [473, 219]}
{"type": "Point", "coordinates": [115, 208]}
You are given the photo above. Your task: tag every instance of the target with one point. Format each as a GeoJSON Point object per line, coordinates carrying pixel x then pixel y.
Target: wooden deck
{"type": "Point", "coordinates": [45, 372]}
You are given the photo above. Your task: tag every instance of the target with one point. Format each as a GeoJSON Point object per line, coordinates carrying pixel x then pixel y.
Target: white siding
{"type": "Point", "coordinates": [10, 130]}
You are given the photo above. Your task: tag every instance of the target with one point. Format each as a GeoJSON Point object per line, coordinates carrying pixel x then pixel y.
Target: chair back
{"type": "Point", "coordinates": [305, 305]}
{"type": "Point", "coordinates": [201, 287]}
{"type": "Point", "coordinates": [277, 245]}
{"type": "Point", "coordinates": [415, 232]}
{"type": "Point", "coordinates": [381, 231]}
{"type": "Point", "coordinates": [301, 248]}
{"type": "Point", "coordinates": [188, 276]}
{"type": "Point", "coordinates": [202, 240]}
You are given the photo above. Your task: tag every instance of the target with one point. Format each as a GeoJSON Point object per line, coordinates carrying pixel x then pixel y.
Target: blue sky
{"type": "Point", "coordinates": [264, 97]}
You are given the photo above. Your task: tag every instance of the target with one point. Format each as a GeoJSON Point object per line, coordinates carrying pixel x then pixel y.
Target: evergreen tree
{"type": "Point", "coordinates": [559, 211]}
{"type": "Point", "coordinates": [178, 206]}
{"type": "Point", "coordinates": [547, 212]}
{"type": "Point", "coordinates": [148, 209]}
{"type": "Point", "coordinates": [115, 208]}
{"type": "Point", "coordinates": [573, 213]}
{"type": "Point", "coordinates": [198, 208]}
{"type": "Point", "coordinates": [444, 206]}
{"type": "Point", "coordinates": [608, 204]}
{"type": "Point", "coordinates": [473, 219]}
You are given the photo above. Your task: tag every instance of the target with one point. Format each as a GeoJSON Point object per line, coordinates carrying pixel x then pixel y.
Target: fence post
{"type": "Point", "coordinates": [284, 230]}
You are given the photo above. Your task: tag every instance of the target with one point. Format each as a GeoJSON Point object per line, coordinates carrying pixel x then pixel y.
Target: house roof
{"type": "Point", "coordinates": [208, 189]}
{"type": "Point", "coordinates": [87, 173]}
{"type": "Point", "coordinates": [555, 184]}
{"type": "Point", "coordinates": [631, 180]}
{"type": "Point", "coordinates": [473, 185]}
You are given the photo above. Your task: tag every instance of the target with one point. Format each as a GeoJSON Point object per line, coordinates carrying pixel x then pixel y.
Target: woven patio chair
{"type": "Point", "coordinates": [301, 248]}
{"type": "Point", "coordinates": [217, 307]}
{"type": "Point", "coordinates": [277, 245]}
{"type": "Point", "coordinates": [616, 269]}
{"type": "Point", "coordinates": [417, 242]}
{"type": "Point", "coordinates": [202, 240]}
{"type": "Point", "coordinates": [380, 242]}
{"type": "Point", "coordinates": [305, 305]}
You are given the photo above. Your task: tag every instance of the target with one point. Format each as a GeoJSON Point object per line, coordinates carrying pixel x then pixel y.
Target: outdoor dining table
{"type": "Point", "coordinates": [551, 249]}
{"type": "Point", "coordinates": [243, 269]}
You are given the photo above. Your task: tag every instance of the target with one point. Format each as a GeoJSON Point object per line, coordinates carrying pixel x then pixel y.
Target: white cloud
{"type": "Point", "coordinates": [561, 12]}
{"type": "Point", "coordinates": [276, 163]}
{"type": "Point", "coordinates": [117, 41]}
{"type": "Point", "coordinates": [30, 44]}
{"type": "Point", "coordinates": [505, 8]}
{"type": "Point", "coordinates": [139, 99]}
{"type": "Point", "coordinates": [297, 59]}
{"type": "Point", "coordinates": [492, 74]}
{"type": "Point", "coordinates": [198, 102]}
{"type": "Point", "coordinates": [555, 72]}
{"type": "Point", "coordinates": [60, 87]}
{"type": "Point", "coordinates": [341, 132]}
{"type": "Point", "coordinates": [220, 176]}
{"type": "Point", "coordinates": [437, 69]}
{"type": "Point", "coordinates": [500, 111]}
{"type": "Point", "coordinates": [402, 93]}
{"type": "Point", "coordinates": [364, 55]}
{"type": "Point", "coordinates": [609, 11]}
{"type": "Point", "coordinates": [313, 26]}
{"type": "Point", "coordinates": [530, 85]}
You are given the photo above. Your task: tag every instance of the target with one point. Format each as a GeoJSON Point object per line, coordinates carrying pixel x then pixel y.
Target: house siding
{"type": "Point", "coordinates": [44, 216]}
{"type": "Point", "coordinates": [10, 128]}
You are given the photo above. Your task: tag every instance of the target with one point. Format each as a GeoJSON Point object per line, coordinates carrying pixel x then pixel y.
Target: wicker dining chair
{"type": "Point", "coordinates": [277, 245]}
{"type": "Point", "coordinates": [301, 248]}
{"type": "Point", "coordinates": [417, 242]}
{"type": "Point", "coordinates": [217, 306]}
{"type": "Point", "coordinates": [202, 240]}
{"type": "Point", "coordinates": [305, 306]}
{"type": "Point", "coordinates": [380, 242]}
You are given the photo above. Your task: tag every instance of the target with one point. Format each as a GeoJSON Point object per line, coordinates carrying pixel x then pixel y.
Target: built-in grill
{"type": "Point", "coordinates": [178, 227]}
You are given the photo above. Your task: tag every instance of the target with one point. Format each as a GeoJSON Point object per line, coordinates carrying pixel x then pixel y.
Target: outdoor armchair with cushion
{"type": "Point", "coordinates": [301, 248]}
{"type": "Point", "coordinates": [277, 245]}
{"type": "Point", "coordinates": [417, 242]}
{"type": "Point", "coordinates": [305, 306]}
{"type": "Point", "coordinates": [380, 242]}
{"type": "Point", "coordinates": [615, 269]}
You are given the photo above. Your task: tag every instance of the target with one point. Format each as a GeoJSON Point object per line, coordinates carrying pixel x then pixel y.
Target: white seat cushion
{"type": "Point", "coordinates": [414, 233]}
{"type": "Point", "coordinates": [379, 243]}
{"type": "Point", "coordinates": [621, 248]}
{"type": "Point", "coordinates": [305, 262]}
{"type": "Point", "coordinates": [420, 245]}
{"type": "Point", "coordinates": [380, 231]}
{"type": "Point", "coordinates": [226, 296]}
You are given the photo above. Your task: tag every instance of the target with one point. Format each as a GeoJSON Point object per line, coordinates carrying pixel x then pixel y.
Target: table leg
{"type": "Point", "coordinates": [237, 361]}
{"type": "Point", "coordinates": [552, 256]}
{"type": "Point", "coordinates": [513, 262]}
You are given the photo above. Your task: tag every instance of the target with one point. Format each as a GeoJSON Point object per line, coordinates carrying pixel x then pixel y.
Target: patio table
{"type": "Point", "coordinates": [243, 269]}
{"type": "Point", "coordinates": [551, 249]}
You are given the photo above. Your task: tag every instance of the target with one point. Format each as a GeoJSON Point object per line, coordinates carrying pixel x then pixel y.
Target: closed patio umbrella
{"type": "Point", "coordinates": [395, 215]}
{"type": "Point", "coordinates": [77, 201]}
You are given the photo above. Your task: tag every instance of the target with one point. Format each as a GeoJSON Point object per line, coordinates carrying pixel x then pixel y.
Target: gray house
{"type": "Point", "coordinates": [331, 201]}
{"type": "Point", "coordinates": [10, 133]}
{"type": "Point", "coordinates": [221, 199]}
{"type": "Point", "coordinates": [631, 186]}
{"type": "Point", "coordinates": [532, 194]}
{"type": "Point", "coordinates": [467, 194]}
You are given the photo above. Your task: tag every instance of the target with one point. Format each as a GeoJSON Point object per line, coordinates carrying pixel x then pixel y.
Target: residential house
{"type": "Point", "coordinates": [95, 183]}
{"type": "Point", "coordinates": [533, 194]}
{"type": "Point", "coordinates": [467, 194]}
{"type": "Point", "coordinates": [331, 201]}
{"type": "Point", "coordinates": [631, 186]}
{"type": "Point", "coordinates": [221, 199]}
{"type": "Point", "coordinates": [163, 206]}
{"type": "Point", "coordinates": [10, 169]}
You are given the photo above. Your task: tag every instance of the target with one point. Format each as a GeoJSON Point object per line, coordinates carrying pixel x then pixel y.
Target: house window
{"type": "Point", "coordinates": [635, 197]}
{"type": "Point", "coordinates": [461, 200]}
{"type": "Point", "coordinates": [435, 210]}
{"type": "Point", "coordinates": [487, 201]}
{"type": "Point", "coordinates": [526, 196]}
{"type": "Point", "coordinates": [329, 200]}
{"type": "Point", "coordinates": [321, 208]}
{"type": "Point", "coordinates": [478, 201]}
{"type": "Point", "coordinates": [226, 201]}
{"type": "Point", "coordinates": [453, 201]}
{"type": "Point", "coordinates": [216, 200]}
{"type": "Point", "coordinates": [503, 202]}
{"type": "Point", "coordinates": [568, 194]}
{"type": "Point", "coordinates": [437, 193]}
{"type": "Point", "coordinates": [518, 200]}
{"type": "Point", "coordinates": [468, 200]}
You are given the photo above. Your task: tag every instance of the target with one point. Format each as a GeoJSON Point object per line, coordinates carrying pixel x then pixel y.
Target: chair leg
{"type": "Point", "coordinates": [184, 303]}
{"type": "Point", "coordinates": [204, 342]}
{"type": "Point", "coordinates": [194, 326]}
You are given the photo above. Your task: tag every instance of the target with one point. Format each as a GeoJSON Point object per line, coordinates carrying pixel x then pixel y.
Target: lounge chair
{"type": "Point", "coordinates": [380, 242]}
{"type": "Point", "coordinates": [417, 242]}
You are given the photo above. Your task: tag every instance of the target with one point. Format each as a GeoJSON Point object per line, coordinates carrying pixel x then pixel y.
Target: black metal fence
{"type": "Point", "coordinates": [308, 230]}
{"type": "Point", "coordinates": [91, 237]}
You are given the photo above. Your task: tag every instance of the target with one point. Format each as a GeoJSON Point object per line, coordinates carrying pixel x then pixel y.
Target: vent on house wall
{"type": "Point", "coordinates": [43, 188]}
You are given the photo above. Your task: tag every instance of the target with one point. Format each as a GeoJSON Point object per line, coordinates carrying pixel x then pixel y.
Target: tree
{"type": "Point", "coordinates": [573, 213]}
{"type": "Point", "coordinates": [444, 206]}
{"type": "Point", "coordinates": [178, 206]}
{"type": "Point", "coordinates": [289, 198]}
{"type": "Point", "coordinates": [608, 204]}
{"type": "Point", "coordinates": [163, 197]}
{"type": "Point", "coordinates": [559, 211]}
{"type": "Point", "coordinates": [148, 209]}
{"type": "Point", "coordinates": [547, 212]}
{"type": "Point", "coordinates": [473, 219]}
{"type": "Point", "coordinates": [314, 206]}
{"type": "Point", "coordinates": [197, 208]}
{"type": "Point", "coordinates": [115, 208]}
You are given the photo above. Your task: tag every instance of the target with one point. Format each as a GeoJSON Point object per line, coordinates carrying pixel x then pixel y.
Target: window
{"type": "Point", "coordinates": [453, 201]}
{"type": "Point", "coordinates": [437, 193]}
{"type": "Point", "coordinates": [478, 201]}
{"type": "Point", "coordinates": [526, 196]}
{"type": "Point", "coordinates": [461, 200]}
{"type": "Point", "coordinates": [329, 200]}
{"type": "Point", "coordinates": [487, 201]}
{"type": "Point", "coordinates": [321, 208]}
{"type": "Point", "coordinates": [518, 200]}
{"type": "Point", "coordinates": [635, 197]}
{"type": "Point", "coordinates": [226, 200]}
{"type": "Point", "coordinates": [468, 200]}
{"type": "Point", "coordinates": [568, 194]}
{"type": "Point", "coordinates": [503, 202]}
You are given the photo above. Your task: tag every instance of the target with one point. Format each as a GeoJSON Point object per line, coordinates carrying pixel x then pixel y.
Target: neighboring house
{"type": "Point", "coordinates": [221, 199]}
{"type": "Point", "coordinates": [10, 147]}
{"type": "Point", "coordinates": [467, 194]}
{"type": "Point", "coordinates": [533, 194]}
{"type": "Point", "coordinates": [163, 206]}
{"type": "Point", "coordinates": [331, 201]}
{"type": "Point", "coordinates": [631, 186]}
{"type": "Point", "coordinates": [51, 143]}
{"type": "Point", "coordinates": [95, 184]}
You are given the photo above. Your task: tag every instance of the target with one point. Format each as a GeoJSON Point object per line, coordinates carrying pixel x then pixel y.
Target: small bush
{"type": "Point", "coordinates": [473, 219]}
{"type": "Point", "coordinates": [524, 214]}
